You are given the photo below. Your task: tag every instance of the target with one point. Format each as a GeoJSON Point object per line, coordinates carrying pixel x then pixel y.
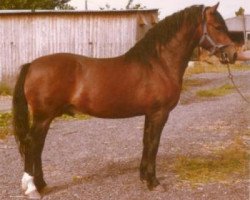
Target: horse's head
{"type": "Point", "coordinates": [215, 37]}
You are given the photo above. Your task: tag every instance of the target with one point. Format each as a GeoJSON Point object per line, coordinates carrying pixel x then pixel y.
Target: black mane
{"type": "Point", "coordinates": [162, 33]}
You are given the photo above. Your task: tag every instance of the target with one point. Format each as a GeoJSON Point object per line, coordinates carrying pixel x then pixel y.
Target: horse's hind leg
{"type": "Point", "coordinates": [41, 130]}
{"type": "Point", "coordinates": [33, 181]}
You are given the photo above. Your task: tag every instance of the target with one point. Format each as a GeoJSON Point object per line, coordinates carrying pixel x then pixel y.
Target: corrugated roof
{"type": "Point", "coordinates": [237, 23]}
{"type": "Point", "coordinates": [14, 12]}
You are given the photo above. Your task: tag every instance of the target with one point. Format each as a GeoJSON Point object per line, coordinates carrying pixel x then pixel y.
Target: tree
{"type": "Point", "coordinates": [129, 3]}
{"type": "Point", "coordinates": [107, 7]}
{"type": "Point", "coordinates": [129, 6]}
{"type": "Point", "coordinates": [137, 6]}
{"type": "Point", "coordinates": [240, 12]}
{"type": "Point", "coordinates": [35, 4]}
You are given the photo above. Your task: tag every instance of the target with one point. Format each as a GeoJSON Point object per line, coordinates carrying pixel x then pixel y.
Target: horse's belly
{"type": "Point", "coordinates": [104, 108]}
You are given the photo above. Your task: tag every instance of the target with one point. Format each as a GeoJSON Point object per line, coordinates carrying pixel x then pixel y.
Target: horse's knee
{"type": "Point", "coordinates": [28, 140]}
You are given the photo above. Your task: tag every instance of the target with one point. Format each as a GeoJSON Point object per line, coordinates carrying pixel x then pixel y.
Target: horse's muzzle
{"type": "Point", "coordinates": [227, 55]}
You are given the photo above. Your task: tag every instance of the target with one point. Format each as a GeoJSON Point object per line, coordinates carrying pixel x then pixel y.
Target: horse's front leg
{"type": "Point", "coordinates": [154, 124]}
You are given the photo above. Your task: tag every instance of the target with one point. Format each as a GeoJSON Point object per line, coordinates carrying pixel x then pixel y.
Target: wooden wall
{"type": "Point", "coordinates": [25, 36]}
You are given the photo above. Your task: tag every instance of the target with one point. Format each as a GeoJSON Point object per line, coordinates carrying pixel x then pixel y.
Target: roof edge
{"type": "Point", "coordinates": [14, 12]}
{"type": "Point", "coordinates": [247, 15]}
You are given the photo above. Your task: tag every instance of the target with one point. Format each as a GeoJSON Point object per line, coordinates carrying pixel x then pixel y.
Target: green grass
{"type": "Point", "coordinates": [5, 124]}
{"type": "Point", "coordinates": [6, 120]}
{"type": "Point", "coordinates": [77, 116]}
{"type": "Point", "coordinates": [215, 92]}
{"type": "Point", "coordinates": [203, 67]}
{"type": "Point", "coordinates": [225, 164]}
{"type": "Point", "coordinates": [188, 83]}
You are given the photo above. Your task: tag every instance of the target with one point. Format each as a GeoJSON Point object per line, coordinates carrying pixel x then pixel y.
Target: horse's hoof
{"type": "Point", "coordinates": [34, 195]}
{"type": "Point", "coordinates": [40, 185]}
{"type": "Point", "coordinates": [24, 187]}
{"type": "Point", "coordinates": [152, 184]}
{"type": "Point", "coordinates": [159, 188]}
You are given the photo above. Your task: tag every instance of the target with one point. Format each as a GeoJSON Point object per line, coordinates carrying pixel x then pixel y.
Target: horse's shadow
{"type": "Point", "coordinates": [113, 169]}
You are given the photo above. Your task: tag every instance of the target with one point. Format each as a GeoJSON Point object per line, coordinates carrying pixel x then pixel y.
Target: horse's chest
{"type": "Point", "coordinates": [170, 97]}
{"type": "Point", "coordinates": [165, 94]}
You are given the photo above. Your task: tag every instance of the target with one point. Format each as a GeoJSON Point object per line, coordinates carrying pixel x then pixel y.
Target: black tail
{"type": "Point", "coordinates": [20, 110]}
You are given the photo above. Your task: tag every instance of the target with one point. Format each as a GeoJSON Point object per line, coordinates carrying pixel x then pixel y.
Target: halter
{"type": "Point", "coordinates": [205, 36]}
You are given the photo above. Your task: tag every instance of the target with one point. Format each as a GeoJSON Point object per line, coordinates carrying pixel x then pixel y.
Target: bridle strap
{"type": "Point", "coordinates": [206, 37]}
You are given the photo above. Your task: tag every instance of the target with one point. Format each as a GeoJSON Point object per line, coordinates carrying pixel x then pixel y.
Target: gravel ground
{"type": "Point", "coordinates": [99, 159]}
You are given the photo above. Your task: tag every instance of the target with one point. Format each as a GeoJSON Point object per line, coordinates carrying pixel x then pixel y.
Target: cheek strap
{"type": "Point", "coordinates": [206, 37]}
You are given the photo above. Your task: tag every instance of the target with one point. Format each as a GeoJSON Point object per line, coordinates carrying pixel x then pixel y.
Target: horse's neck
{"type": "Point", "coordinates": [177, 53]}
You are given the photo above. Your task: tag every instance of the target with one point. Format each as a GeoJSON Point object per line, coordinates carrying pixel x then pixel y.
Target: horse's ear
{"type": "Point", "coordinates": [213, 9]}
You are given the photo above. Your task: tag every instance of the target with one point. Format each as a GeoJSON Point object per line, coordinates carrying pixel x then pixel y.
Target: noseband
{"type": "Point", "coordinates": [215, 47]}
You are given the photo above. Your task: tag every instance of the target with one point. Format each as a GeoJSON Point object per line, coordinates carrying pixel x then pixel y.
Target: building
{"type": "Point", "coordinates": [26, 35]}
{"type": "Point", "coordinates": [239, 28]}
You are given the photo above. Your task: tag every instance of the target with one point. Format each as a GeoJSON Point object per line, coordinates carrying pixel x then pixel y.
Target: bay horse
{"type": "Point", "coordinates": [146, 80]}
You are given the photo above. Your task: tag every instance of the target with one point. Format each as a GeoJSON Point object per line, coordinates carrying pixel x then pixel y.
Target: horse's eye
{"type": "Point", "coordinates": [219, 28]}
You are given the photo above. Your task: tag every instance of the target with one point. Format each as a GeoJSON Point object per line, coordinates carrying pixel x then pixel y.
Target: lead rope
{"type": "Point", "coordinates": [231, 77]}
